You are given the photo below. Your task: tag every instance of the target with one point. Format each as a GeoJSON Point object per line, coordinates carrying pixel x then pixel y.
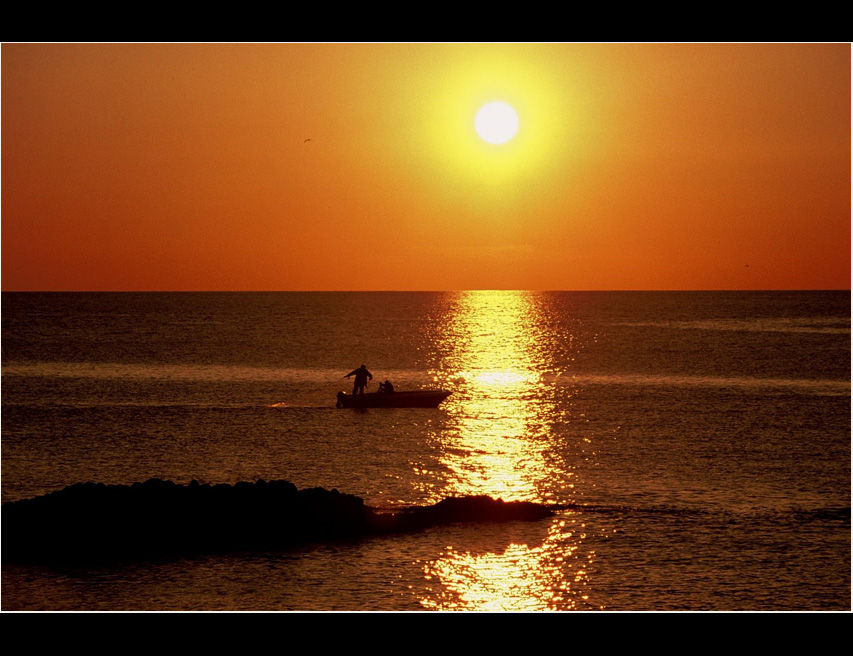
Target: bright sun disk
{"type": "Point", "coordinates": [496, 122]}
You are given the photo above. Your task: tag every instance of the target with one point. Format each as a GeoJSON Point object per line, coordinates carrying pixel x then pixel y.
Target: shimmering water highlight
{"type": "Point", "coordinates": [697, 444]}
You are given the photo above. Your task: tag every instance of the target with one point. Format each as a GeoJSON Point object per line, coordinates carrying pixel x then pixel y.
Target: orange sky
{"type": "Point", "coordinates": [637, 166]}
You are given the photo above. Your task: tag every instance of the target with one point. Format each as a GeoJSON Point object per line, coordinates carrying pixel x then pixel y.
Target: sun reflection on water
{"type": "Point", "coordinates": [499, 438]}
{"type": "Point", "coordinates": [521, 577]}
{"type": "Point", "coordinates": [493, 353]}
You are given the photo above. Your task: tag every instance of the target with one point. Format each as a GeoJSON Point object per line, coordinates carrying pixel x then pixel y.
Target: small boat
{"type": "Point", "coordinates": [414, 399]}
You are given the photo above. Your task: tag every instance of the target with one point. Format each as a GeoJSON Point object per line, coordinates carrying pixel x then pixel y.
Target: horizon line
{"type": "Point", "coordinates": [402, 291]}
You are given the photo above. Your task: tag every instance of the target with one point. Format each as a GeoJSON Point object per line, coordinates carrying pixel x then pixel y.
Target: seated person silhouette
{"type": "Point", "coordinates": [386, 387]}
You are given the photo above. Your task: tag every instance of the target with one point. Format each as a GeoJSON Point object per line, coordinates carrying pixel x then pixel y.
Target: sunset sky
{"type": "Point", "coordinates": [357, 167]}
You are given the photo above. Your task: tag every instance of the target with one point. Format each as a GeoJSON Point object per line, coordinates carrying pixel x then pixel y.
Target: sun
{"type": "Point", "coordinates": [496, 122]}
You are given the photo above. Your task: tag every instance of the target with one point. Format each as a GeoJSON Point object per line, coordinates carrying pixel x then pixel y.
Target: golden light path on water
{"type": "Point", "coordinates": [497, 356]}
{"type": "Point", "coordinates": [496, 372]}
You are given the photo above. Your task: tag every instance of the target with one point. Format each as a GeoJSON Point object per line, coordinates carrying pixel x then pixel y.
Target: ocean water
{"type": "Point", "coordinates": [700, 442]}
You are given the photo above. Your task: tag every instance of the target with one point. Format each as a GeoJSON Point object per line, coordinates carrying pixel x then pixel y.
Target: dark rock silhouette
{"type": "Point", "coordinates": [94, 522]}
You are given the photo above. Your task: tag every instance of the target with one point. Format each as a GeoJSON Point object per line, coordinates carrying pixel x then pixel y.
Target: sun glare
{"type": "Point", "coordinates": [491, 123]}
{"type": "Point", "coordinates": [496, 122]}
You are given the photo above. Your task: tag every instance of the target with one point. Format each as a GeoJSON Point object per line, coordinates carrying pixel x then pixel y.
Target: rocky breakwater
{"type": "Point", "coordinates": [94, 522]}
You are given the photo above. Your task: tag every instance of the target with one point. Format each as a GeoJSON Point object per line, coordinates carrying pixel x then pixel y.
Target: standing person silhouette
{"type": "Point", "coordinates": [361, 375]}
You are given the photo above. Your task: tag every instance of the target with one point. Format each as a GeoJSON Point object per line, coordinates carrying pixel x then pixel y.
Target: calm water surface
{"type": "Point", "coordinates": [701, 440]}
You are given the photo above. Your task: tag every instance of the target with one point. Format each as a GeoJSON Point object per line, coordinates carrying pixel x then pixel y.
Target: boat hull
{"type": "Point", "coordinates": [415, 399]}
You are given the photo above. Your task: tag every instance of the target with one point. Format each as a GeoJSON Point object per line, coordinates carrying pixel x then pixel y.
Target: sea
{"type": "Point", "coordinates": [695, 445]}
